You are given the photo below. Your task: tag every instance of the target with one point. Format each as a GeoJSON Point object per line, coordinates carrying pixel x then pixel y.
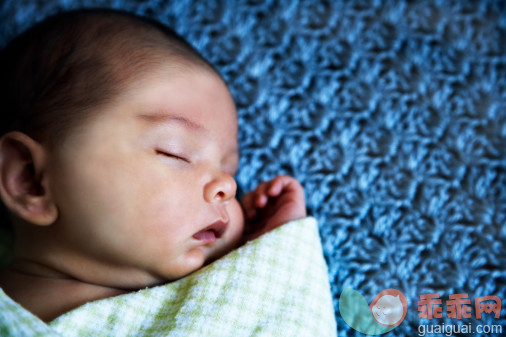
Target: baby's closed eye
{"type": "Point", "coordinates": [172, 155]}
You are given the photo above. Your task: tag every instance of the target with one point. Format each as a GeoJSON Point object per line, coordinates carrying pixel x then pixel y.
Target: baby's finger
{"type": "Point", "coordinates": [259, 195]}
{"type": "Point", "coordinates": [261, 200]}
{"type": "Point", "coordinates": [282, 184]}
{"type": "Point", "coordinates": [255, 200]}
{"type": "Point", "coordinates": [276, 186]}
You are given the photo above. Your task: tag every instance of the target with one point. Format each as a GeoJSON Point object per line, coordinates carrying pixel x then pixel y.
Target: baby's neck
{"type": "Point", "coordinates": [48, 295]}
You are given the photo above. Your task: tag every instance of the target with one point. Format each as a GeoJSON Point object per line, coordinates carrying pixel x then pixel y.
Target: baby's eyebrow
{"type": "Point", "coordinates": [158, 118]}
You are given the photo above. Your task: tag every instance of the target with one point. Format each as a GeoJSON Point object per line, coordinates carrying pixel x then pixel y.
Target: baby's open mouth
{"type": "Point", "coordinates": [211, 233]}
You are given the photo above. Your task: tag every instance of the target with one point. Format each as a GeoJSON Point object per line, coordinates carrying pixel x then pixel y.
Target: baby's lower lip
{"type": "Point", "coordinates": [206, 236]}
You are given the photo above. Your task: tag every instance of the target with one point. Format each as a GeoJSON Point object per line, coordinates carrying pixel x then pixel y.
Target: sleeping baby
{"type": "Point", "coordinates": [118, 152]}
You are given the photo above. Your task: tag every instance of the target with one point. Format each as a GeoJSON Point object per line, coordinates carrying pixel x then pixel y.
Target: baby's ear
{"type": "Point", "coordinates": [22, 179]}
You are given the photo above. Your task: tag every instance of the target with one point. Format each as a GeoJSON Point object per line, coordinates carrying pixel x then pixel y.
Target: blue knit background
{"type": "Point", "coordinates": [392, 114]}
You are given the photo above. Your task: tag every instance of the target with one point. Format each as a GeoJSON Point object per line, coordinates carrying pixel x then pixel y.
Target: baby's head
{"type": "Point", "coordinates": [118, 151]}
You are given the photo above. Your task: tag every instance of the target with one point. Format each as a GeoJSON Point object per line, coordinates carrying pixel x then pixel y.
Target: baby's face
{"type": "Point", "coordinates": [145, 190]}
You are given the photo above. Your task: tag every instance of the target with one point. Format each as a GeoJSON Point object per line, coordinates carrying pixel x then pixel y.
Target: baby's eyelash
{"type": "Point", "coordinates": [172, 155]}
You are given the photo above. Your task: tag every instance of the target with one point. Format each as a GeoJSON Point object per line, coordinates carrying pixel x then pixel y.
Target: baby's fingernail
{"type": "Point", "coordinates": [274, 190]}
{"type": "Point", "coordinates": [262, 201]}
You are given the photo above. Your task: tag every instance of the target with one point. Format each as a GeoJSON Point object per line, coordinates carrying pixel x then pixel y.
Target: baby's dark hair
{"type": "Point", "coordinates": [55, 73]}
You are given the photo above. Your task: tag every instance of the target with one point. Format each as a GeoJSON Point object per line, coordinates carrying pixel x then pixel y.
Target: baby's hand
{"type": "Point", "coordinates": [272, 204]}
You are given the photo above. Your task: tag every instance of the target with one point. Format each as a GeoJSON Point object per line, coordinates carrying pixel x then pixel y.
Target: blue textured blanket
{"type": "Point", "coordinates": [392, 114]}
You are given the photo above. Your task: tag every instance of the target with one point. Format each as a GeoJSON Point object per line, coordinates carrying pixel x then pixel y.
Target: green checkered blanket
{"type": "Point", "coordinates": [276, 285]}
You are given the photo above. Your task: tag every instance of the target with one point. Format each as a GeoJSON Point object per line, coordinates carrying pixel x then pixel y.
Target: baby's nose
{"type": "Point", "coordinates": [220, 188]}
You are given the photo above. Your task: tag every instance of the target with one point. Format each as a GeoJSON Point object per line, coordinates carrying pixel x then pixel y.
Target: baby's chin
{"type": "Point", "coordinates": [196, 259]}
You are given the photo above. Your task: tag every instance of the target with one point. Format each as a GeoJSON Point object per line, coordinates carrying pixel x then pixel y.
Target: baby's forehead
{"type": "Point", "coordinates": [195, 99]}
